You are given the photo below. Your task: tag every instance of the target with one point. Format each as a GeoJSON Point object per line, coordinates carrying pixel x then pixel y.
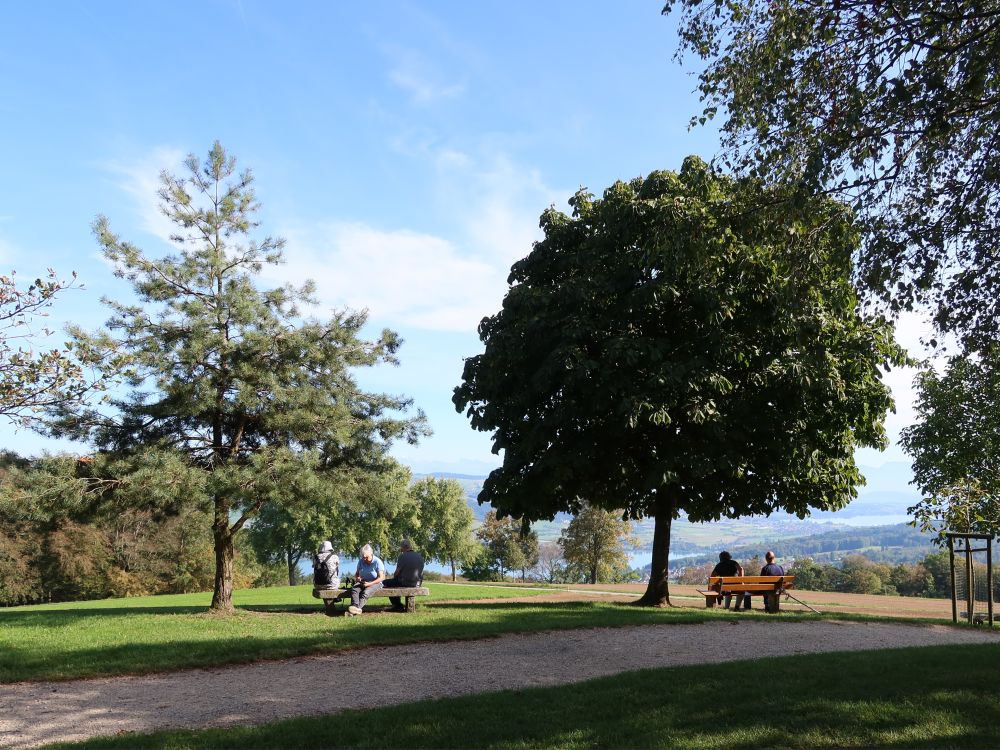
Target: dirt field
{"type": "Point", "coordinates": [824, 601]}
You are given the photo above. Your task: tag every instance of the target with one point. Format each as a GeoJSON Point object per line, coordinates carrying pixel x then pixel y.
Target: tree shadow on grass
{"type": "Point", "coordinates": [294, 609]}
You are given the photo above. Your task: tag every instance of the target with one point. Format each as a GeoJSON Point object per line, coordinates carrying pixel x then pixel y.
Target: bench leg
{"type": "Point", "coordinates": [411, 604]}
{"type": "Point", "coordinates": [711, 600]}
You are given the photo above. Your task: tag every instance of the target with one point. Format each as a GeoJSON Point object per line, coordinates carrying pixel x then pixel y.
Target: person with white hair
{"type": "Point", "coordinates": [367, 580]}
{"type": "Point", "coordinates": [326, 568]}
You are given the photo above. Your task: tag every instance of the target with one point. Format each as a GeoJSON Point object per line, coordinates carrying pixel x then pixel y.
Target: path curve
{"type": "Point", "coordinates": [35, 713]}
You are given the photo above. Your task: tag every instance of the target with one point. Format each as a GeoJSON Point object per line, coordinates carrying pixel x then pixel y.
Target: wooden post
{"type": "Point", "coordinates": [954, 592]}
{"type": "Point", "coordinates": [989, 579]}
{"type": "Point", "coordinates": [970, 581]}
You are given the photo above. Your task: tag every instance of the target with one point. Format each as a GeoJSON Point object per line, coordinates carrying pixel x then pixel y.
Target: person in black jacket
{"type": "Point", "coordinates": [771, 569]}
{"type": "Point", "coordinates": [727, 566]}
{"type": "Point", "coordinates": [409, 572]}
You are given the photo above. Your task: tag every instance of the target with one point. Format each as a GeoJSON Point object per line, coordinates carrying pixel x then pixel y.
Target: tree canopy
{"type": "Point", "coordinates": [892, 107]}
{"type": "Point", "coordinates": [689, 342]}
{"type": "Point", "coordinates": [232, 378]}
{"type": "Point", "coordinates": [446, 521]}
{"type": "Point", "coordinates": [505, 547]}
{"type": "Point", "coordinates": [597, 542]}
{"type": "Point", "coordinates": [955, 445]}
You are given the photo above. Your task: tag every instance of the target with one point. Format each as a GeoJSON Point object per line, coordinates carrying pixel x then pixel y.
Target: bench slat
{"type": "Point", "coordinates": [343, 593]}
{"type": "Point", "coordinates": [712, 580]}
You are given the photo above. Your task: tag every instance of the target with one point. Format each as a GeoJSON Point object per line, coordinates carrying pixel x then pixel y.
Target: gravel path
{"type": "Point", "coordinates": [34, 713]}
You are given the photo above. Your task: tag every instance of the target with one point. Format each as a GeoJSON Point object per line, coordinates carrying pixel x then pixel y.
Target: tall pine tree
{"type": "Point", "coordinates": [232, 377]}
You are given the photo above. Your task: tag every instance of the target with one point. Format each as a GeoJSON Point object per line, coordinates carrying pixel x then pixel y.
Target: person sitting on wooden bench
{"type": "Point", "coordinates": [326, 568]}
{"type": "Point", "coordinates": [409, 573]}
{"type": "Point", "coordinates": [729, 567]}
{"type": "Point", "coordinates": [771, 569]}
{"type": "Point", "coordinates": [367, 580]}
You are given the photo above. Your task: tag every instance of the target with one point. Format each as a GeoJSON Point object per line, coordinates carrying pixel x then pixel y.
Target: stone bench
{"type": "Point", "coordinates": [330, 597]}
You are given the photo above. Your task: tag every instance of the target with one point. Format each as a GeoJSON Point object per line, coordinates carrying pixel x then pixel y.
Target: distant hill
{"type": "Point", "coordinates": [893, 544]}
{"type": "Point", "coordinates": [887, 495]}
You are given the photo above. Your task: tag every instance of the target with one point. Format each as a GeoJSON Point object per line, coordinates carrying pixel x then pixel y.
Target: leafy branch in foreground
{"type": "Point", "coordinates": [892, 107]}
{"type": "Point", "coordinates": [34, 378]}
{"type": "Point", "coordinates": [955, 445]}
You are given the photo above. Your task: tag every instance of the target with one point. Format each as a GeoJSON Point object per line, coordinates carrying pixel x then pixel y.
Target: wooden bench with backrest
{"type": "Point", "coordinates": [330, 597]}
{"type": "Point", "coordinates": [771, 587]}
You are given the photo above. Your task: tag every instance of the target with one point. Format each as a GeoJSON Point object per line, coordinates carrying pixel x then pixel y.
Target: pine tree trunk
{"type": "Point", "coordinates": [453, 576]}
{"type": "Point", "coordinates": [658, 591]}
{"type": "Point", "coordinates": [291, 566]}
{"type": "Point", "coordinates": [222, 596]}
{"type": "Point", "coordinates": [593, 575]}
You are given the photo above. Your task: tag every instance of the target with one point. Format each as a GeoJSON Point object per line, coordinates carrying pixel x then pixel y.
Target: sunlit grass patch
{"type": "Point", "coordinates": [153, 634]}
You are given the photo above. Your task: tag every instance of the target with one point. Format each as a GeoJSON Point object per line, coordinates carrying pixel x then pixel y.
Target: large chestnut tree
{"type": "Point", "coordinates": [688, 343]}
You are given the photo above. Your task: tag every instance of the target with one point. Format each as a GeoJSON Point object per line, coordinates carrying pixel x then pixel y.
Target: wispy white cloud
{"type": "Point", "coordinates": [498, 202]}
{"type": "Point", "coordinates": [448, 279]}
{"type": "Point", "coordinates": [140, 179]}
{"type": "Point", "coordinates": [399, 275]}
{"type": "Point", "coordinates": [423, 81]}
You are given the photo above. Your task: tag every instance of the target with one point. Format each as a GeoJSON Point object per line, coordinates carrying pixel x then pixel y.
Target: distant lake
{"type": "Point", "coordinates": [880, 520]}
{"type": "Point", "coordinates": [643, 557]}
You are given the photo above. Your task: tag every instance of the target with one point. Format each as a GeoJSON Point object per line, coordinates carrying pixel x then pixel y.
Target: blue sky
{"type": "Point", "coordinates": [405, 150]}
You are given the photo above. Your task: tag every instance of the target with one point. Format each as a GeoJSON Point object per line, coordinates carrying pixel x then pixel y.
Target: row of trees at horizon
{"type": "Point", "coordinates": [593, 548]}
{"type": "Point", "coordinates": [57, 545]}
{"type": "Point", "coordinates": [104, 544]}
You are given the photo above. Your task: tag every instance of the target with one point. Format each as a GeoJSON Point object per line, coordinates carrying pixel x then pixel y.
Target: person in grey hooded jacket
{"type": "Point", "coordinates": [326, 568]}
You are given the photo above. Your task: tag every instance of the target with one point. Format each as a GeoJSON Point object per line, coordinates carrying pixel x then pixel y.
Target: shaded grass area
{"type": "Point", "coordinates": [937, 697]}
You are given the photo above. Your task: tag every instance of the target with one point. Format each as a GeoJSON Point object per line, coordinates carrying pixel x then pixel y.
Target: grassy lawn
{"type": "Point", "coordinates": [940, 697]}
{"type": "Point", "coordinates": [155, 634]}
